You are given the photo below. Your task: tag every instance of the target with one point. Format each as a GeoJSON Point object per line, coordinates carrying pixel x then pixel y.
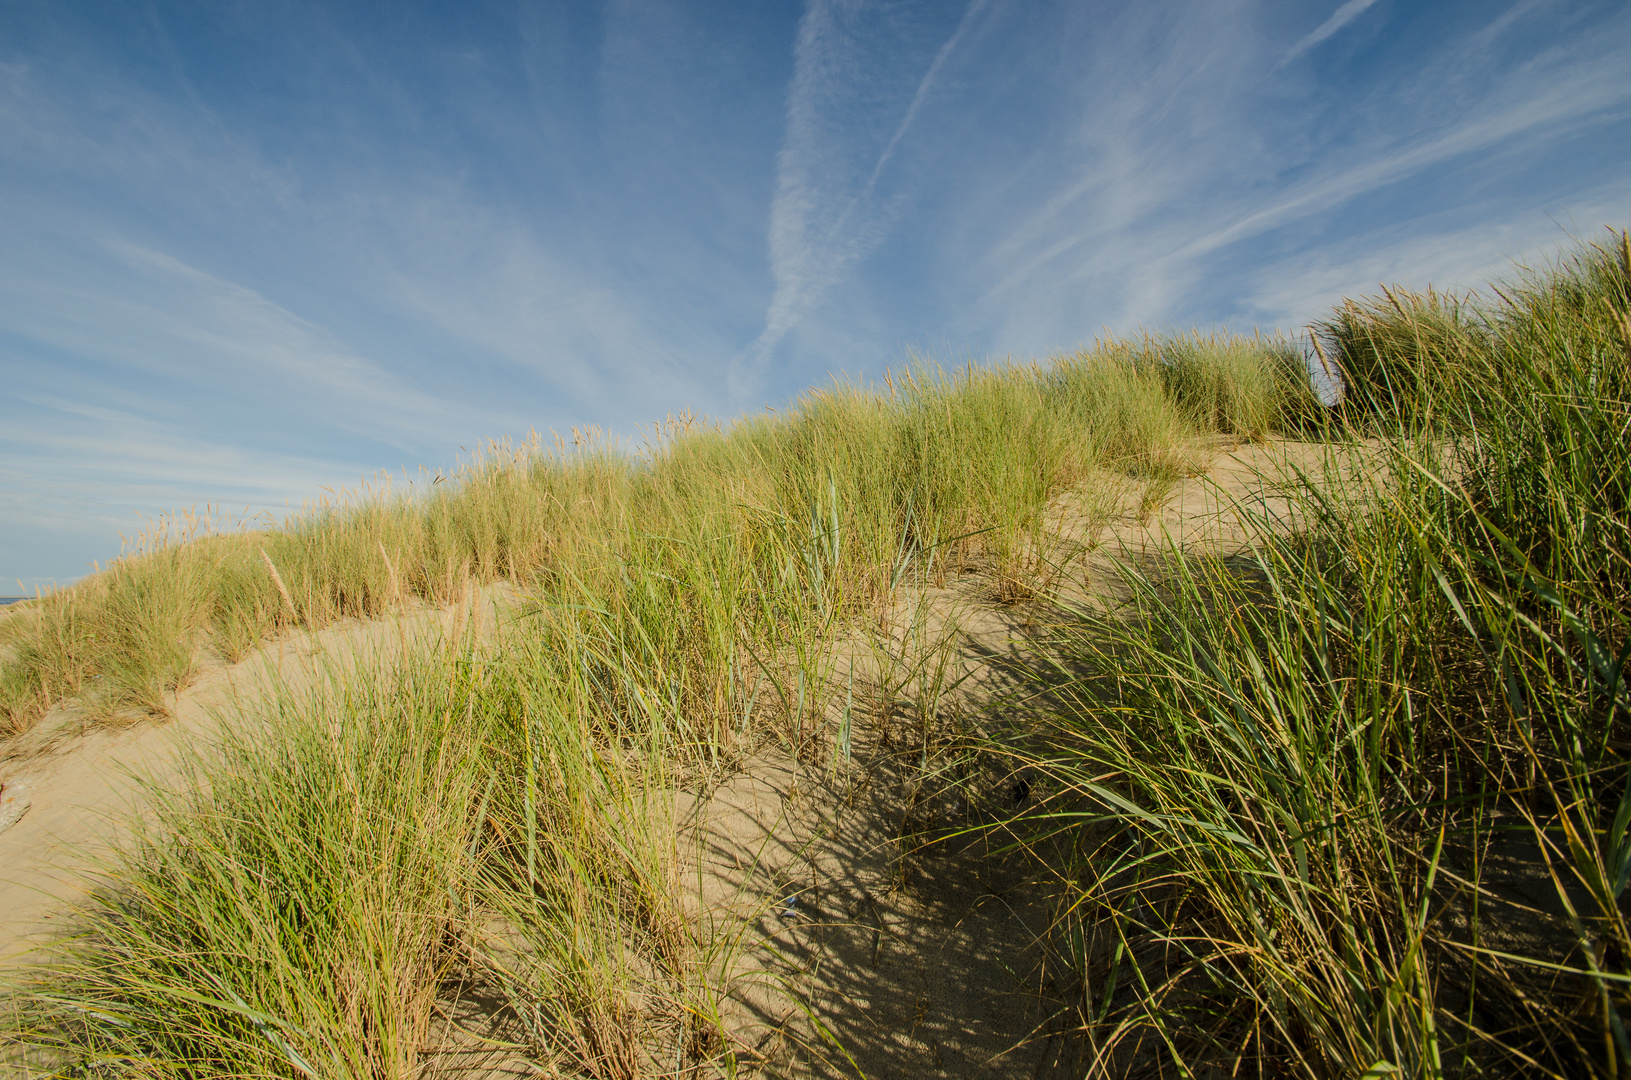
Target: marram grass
{"type": "Point", "coordinates": [491, 819]}
{"type": "Point", "coordinates": [1355, 803]}
{"type": "Point", "coordinates": [830, 495]}
{"type": "Point", "coordinates": [338, 872]}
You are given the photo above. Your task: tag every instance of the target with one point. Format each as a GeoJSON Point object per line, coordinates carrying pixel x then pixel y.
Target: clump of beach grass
{"type": "Point", "coordinates": [1296, 799]}
{"type": "Point", "coordinates": [1354, 801]}
{"type": "Point", "coordinates": [325, 882]}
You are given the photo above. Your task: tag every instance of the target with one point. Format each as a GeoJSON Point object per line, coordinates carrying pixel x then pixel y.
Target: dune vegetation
{"type": "Point", "coordinates": [1350, 800]}
{"type": "Point", "coordinates": [711, 533]}
{"type": "Point", "coordinates": [1356, 802]}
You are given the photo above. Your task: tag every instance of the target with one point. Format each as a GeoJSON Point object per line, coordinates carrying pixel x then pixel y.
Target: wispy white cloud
{"type": "Point", "coordinates": [339, 244]}
{"type": "Point", "coordinates": [74, 469]}
{"type": "Point", "coordinates": [126, 459]}
{"type": "Point", "coordinates": [153, 316]}
{"type": "Point", "coordinates": [1149, 225]}
{"type": "Point", "coordinates": [1507, 19]}
{"type": "Point", "coordinates": [1446, 254]}
{"type": "Point", "coordinates": [1341, 17]}
{"type": "Point", "coordinates": [924, 85]}
{"type": "Point", "coordinates": [1156, 147]}
{"type": "Point", "coordinates": [236, 325]}
{"type": "Point", "coordinates": [382, 264]}
{"type": "Point", "coordinates": [486, 285]}
{"type": "Point", "coordinates": [826, 216]}
{"type": "Point", "coordinates": [1546, 104]}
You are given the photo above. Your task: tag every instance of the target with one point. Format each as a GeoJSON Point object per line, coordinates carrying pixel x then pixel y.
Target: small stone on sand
{"type": "Point", "coordinates": [14, 803]}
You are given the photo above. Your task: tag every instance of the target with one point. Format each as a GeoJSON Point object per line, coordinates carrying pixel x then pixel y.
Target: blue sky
{"type": "Point", "coordinates": [251, 250]}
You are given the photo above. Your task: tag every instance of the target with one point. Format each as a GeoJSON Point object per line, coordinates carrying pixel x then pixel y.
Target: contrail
{"type": "Point", "coordinates": [1343, 15]}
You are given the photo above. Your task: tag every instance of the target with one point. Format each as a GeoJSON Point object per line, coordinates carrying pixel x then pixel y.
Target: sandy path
{"type": "Point", "coordinates": [924, 959]}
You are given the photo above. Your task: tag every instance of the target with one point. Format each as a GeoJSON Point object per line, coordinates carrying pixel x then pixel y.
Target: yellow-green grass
{"type": "Point", "coordinates": [351, 856]}
{"type": "Point", "coordinates": [830, 497]}
{"type": "Point", "coordinates": [1356, 803]}
{"type": "Point", "coordinates": [1296, 801]}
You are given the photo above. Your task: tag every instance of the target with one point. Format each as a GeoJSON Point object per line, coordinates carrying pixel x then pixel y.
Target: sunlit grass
{"type": "Point", "coordinates": [827, 497]}
{"type": "Point", "coordinates": [495, 815]}
{"type": "Point", "coordinates": [350, 856]}
{"type": "Point", "coordinates": [1303, 799]}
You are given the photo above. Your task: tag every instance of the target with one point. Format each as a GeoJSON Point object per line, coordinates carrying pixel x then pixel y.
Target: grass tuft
{"type": "Point", "coordinates": [1354, 801]}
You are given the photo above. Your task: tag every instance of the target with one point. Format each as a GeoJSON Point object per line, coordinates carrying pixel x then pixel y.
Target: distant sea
{"type": "Point", "coordinates": [4, 600]}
